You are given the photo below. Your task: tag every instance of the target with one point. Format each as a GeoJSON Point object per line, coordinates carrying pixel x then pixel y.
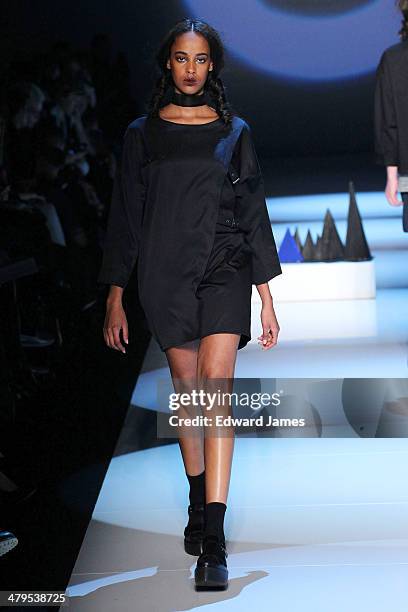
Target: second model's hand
{"type": "Point", "coordinates": [391, 189]}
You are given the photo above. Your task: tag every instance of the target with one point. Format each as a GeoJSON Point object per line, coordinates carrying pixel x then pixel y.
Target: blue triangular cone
{"type": "Point", "coordinates": [289, 251]}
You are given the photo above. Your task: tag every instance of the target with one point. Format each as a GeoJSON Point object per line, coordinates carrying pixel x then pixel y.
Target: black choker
{"type": "Point", "coordinates": [182, 99]}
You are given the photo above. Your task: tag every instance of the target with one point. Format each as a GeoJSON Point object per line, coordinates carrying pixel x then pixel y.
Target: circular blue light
{"type": "Point", "coordinates": [312, 48]}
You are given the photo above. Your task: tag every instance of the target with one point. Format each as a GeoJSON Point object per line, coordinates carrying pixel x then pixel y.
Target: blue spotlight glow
{"type": "Point", "coordinates": [294, 46]}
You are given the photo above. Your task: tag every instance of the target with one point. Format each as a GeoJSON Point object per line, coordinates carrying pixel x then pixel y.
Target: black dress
{"type": "Point", "coordinates": [189, 206]}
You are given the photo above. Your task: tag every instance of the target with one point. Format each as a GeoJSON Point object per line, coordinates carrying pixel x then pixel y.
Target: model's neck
{"type": "Point", "coordinates": [198, 99]}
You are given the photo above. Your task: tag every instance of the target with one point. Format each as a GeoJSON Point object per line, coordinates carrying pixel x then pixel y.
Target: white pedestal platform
{"type": "Point", "coordinates": [322, 301]}
{"type": "Point", "coordinates": [338, 280]}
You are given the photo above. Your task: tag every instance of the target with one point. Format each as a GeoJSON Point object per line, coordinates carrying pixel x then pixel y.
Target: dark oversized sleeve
{"type": "Point", "coordinates": [252, 212]}
{"type": "Point", "coordinates": [385, 121]}
{"type": "Point", "coordinates": [125, 216]}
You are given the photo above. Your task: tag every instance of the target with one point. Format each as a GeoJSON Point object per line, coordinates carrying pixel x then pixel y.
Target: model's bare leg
{"type": "Point", "coordinates": [216, 360]}
{"type": "Point", "coordinates": [183, 368]}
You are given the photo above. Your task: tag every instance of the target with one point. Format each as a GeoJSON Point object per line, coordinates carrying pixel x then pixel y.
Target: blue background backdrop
{"type": "Point", "coordinates": [300, 72]}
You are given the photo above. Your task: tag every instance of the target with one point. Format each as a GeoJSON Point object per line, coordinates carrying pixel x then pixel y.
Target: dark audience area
{"type": "Point", "coordinates": [63, 393]}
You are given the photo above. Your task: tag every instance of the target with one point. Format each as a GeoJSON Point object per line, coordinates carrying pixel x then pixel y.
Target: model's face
{"type": "Point", "coordinates": [190, 62]}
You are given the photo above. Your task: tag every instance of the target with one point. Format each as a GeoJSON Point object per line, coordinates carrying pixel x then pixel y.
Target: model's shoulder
{"type": "Point", "coordinates": [137, 124]}
{"type": "Point", "coordinates": [239, 121]}
{"type": "Point", "coordinates": [239, 124]}
{"type": "Point", "coordinates": [396, 51]}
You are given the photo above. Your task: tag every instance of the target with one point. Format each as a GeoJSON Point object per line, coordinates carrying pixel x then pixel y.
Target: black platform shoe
{"type": "Point", "coordinates": [211, 571]}
{"type": "Point", "coordinates": [194, 532]}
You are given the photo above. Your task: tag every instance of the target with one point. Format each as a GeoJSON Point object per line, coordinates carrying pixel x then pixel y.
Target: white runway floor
{"type": "Point", "coordinates": [313, 525]}
{"type": "Point", "coordinates": [317, 524]}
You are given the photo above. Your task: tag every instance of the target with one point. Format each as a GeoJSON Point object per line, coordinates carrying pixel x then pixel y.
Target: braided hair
{"type": "Point", "coordinates": [214, 84]}
{"type": "Point", "coordinates": [403, 7]}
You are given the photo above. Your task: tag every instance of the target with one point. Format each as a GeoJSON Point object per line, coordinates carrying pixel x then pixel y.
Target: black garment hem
{"type": "Point", "coordinates": [269, 277]}
{"type": "Point", "coordinates": [245, 338]}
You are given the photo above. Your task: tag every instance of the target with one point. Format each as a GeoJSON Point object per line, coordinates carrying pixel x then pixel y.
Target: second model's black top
{"type": "Point", "coordinates": [176, 182]}
{"type": "Point", "coordinates": [391, 108]}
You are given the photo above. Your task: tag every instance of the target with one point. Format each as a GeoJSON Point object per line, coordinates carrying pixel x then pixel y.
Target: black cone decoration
{"type": "Point", "coordinates": [308, 250]}
{"type": "Point", "coordinates": [356, 244]}
{"type": "Point", "coordinates": [332, 246]}
{"type": "Point", "coordinates": [297, 240]}
{"type": "Point", "coordinates": [319, 249]}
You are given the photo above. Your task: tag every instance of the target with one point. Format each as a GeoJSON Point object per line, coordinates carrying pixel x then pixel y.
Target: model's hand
{"type": "Point", "coordinates": [270, 327]}
{"type": "Point", "coordinates": [115, 320]}
{"type": "Point", "coordinates": [391, 189]}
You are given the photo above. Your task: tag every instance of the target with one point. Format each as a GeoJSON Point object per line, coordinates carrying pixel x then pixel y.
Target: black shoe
{"type": "Point", "coordinates": [7, 541]}
{"type": "Point", "coordinates": [211, 571]}
{"type": "Point", "coordinates": [194, 532]}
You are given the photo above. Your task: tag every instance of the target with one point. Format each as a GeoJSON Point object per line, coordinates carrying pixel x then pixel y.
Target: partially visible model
{"type": "Point", "coordinates": [391, 117]}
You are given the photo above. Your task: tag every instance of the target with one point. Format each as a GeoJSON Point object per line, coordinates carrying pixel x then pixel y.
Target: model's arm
{"type": "Point", "coordinates": [391, 188]}
{"type": "Point", "coordinates": [253, 214]}
{"type": "Point", "coordinates": [254, 221]}
{"type": "Point", "coordinates": [125, 216]}
{"type": "Point", "coordinates": [264, 293]}
{"type": "Point", "coordinates": [122, 237]}
{"type": "Point", "coordinates": [270, 325]}
{"type": "Point", "coordinates": [115, 294]}
{"type": "Point", "coordinates": [385, 130]}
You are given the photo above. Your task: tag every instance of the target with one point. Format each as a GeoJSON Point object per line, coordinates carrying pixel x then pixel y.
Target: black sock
{"type": "Point", "coordinates": [215, 512]}
{"type": "Point", "coordinates": [197, 488]}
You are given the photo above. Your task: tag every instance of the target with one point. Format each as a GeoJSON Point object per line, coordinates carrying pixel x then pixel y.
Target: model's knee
{"type": "Point", "coordinates": [210, 370]}
{"type": "Point", "coordinates": [184, 375]}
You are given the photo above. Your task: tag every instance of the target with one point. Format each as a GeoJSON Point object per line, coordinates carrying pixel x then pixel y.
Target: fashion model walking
{"type": "Point", "coordinates": [189, 207]}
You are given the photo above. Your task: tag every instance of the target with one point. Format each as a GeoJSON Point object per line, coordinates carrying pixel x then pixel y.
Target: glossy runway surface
{"type": "Point", "coordinates": [315, 525]}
